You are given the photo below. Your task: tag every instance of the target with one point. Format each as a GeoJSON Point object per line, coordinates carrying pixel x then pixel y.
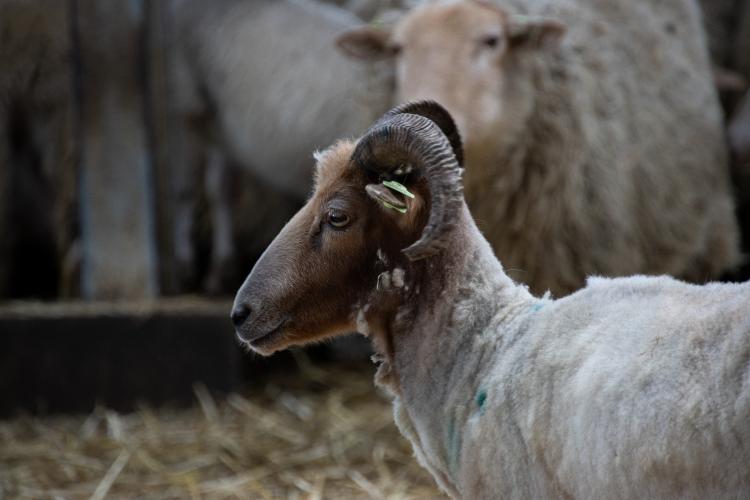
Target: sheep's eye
{"type": "Point", "coordinates": [490, 41]}
{"type": "Point", "coordinates": [338, 219]}
{"type": "Point", "coordinates": [395, 49]}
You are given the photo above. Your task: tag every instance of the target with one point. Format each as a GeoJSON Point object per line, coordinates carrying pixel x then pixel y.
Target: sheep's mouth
{"type": "Point", "coordinates": [261, 342]}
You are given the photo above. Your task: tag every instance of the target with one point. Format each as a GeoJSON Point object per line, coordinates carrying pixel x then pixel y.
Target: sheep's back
{"type": "Point", "coordinates": [638, 152]}
{"type": "Point", "coordinates": [640, 387]}
{"type": "Point", "coordinates": [279, 88]}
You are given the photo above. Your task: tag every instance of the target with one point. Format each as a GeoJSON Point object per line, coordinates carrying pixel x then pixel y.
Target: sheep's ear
{"type": "Point", "coordinates": [386, 198]}
{"type": "Point", "coordinates": [365, 43]}
{"type": "Point", "coordinates": [534, 32]}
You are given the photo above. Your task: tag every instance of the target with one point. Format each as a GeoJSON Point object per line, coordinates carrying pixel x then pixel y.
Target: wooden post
{"type": "Point", "coordinates": [119, 257]}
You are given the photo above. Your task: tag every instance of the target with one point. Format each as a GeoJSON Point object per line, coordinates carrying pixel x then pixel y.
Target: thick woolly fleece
{"type": "Point", "coordinates": [277, 87]}
{"type": "Point", "coordinates": [614, 161]}
{"type": "Point", "coordinates": [630, 388]}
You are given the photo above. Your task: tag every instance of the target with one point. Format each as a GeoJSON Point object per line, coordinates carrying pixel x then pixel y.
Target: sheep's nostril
{"type": "Point", "coordinates": [240, 314]}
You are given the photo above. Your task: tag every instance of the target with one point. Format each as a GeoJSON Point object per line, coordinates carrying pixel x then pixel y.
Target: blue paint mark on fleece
{"type": "Point", "coordinates": [480, 399]}
{"type": "Point", "coordinates": [537, 307]}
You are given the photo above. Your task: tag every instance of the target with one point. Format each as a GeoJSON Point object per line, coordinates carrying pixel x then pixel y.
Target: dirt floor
{"type": "Point", "coordinates": [318, 433]}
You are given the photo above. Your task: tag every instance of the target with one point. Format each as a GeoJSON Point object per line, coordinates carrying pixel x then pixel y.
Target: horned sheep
{"type": "Point", "coordinates": [594, 139]}
{"type": "Point", "coordinates": [632, 387]}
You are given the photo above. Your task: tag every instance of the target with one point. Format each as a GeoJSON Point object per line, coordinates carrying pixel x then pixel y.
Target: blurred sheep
{"type": "Point", "coordinates": [37, 179]}
{"type": "Point", "coordinates": [582, 157]}
{"type": "Point", "coordinates": [257, 85]}
{"type": "Point", "coordinates": [374, 10]}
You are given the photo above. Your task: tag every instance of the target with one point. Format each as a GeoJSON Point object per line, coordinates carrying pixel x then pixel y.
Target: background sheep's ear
{"type": "Point", "coordinates": [365, 43]}
{"type": "Point", "coordinates": [534, 32]}
{"type": "Point", "coordinates": [386, 198]}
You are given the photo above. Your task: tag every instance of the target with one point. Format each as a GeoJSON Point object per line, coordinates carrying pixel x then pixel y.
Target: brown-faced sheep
{"type": "Point", "coordinates": [594, 141]}
{"type": "Point", "coordinates": [630, 388]}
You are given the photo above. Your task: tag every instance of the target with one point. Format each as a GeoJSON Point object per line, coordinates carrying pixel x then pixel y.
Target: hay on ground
{"type": "Point", "coordinates": [324, 434]}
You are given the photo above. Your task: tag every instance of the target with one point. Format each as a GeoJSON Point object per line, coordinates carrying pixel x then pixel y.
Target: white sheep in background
{"type": "Point", "coordinates": [629, 388]}
{"type": "Point", "coordinates": [594, 140]}
{"type": "Point", "coordinates": [258, 83]}
{"type": "Point", "coordinates": [375, 10]}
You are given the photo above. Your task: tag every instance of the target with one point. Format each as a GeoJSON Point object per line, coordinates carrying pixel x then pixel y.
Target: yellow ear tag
{"type": "Point", "coordinates": [398, 187]}
{"type": "Point", "coordinates": [388, 205]}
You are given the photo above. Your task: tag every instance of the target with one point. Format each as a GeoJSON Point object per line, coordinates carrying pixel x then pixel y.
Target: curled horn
{"type": "Point", "coordinates": [439, 115]}
{"type": "Point", "coordinates": [404, 138]}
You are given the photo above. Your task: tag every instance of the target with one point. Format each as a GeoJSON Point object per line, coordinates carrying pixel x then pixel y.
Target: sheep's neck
{"type": "Point", "coordinates": [434, 347]}
{"type": "Point", "coordinates": [431, 336]}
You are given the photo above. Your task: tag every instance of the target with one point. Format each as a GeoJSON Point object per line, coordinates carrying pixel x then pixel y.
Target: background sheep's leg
{"type": "Point", "coordinates": [219, 196]}
{"type": "Point", "coordinates": [52, 139]}
{"type": "Point", "coordinates": [186, 171]}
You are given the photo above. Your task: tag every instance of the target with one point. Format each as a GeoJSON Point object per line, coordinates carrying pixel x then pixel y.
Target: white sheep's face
{"type": "Point", "coordinates": [465, 55]}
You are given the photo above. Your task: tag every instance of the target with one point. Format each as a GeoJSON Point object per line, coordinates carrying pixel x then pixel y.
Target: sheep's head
{"type": "Point", "coordinates": [470, 56]}
{"type": "Point", "coordinates": [328, 259]}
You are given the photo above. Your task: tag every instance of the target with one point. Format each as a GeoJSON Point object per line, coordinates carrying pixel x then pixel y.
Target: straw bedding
{"type": "Point", "coordinates": [323, 433]}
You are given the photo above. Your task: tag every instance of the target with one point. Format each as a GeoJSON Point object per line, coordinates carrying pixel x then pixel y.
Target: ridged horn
{"type": "Point", "coordinates": [400, 139]}
{"type": "Point", "coordinates": [439, 115]}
